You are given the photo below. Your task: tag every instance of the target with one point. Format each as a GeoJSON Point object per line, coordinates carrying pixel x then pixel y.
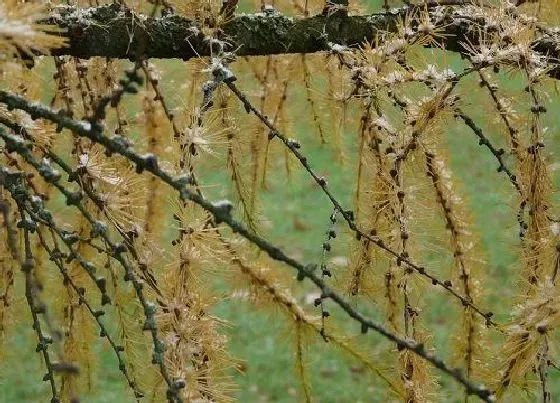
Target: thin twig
{"type": "Point", "coordinates": [222, 214]}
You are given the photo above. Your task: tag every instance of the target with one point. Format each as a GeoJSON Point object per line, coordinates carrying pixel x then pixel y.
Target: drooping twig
{"type": "Point", "coordinates": [57, 258]}
{"type": "Point", "coordinates": [222, 214]}
{"type": "Point", "coordinates": [347, 214]}
{"type": "Point", "coordinates": [13, 183]}
{"type": "Point", "coordinates": [72, 198]}
{"type": "Point", "coordinates": [485, 141]}
{"type": "Point", "coordinates": [502, 167]}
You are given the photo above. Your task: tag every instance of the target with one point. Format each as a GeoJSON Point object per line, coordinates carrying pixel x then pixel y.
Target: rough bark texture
{"type": "Point", "coordinates": [113, 31]}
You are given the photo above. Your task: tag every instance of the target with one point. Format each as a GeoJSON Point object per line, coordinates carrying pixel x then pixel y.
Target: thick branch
{"type": "Point", "coordinates": [114, 31]}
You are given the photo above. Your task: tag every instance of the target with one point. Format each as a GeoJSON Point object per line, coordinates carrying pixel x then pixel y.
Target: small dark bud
{"type": "Point", "coordinates": [293, 144]}
{"type": "Point", "coordinates": [28, 265]}
{"type": "Point", "coordinates": [150, 160]}
{"type": "Point", "coordinates": [149, 325]}
{"type": "Point", "coordinates": [179, 383]}
{"type": "Point", "coordinates": [101, 283]}
{"type": "Point", "coordinates": [73, 198]}
{"type": "Point", "coordinates": [119, 248]}
{"type": "Point", "coordinates": [105, 299]}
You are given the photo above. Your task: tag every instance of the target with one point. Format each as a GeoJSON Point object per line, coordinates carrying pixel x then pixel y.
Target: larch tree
{"type": "Point", "coordinates": [139, 144]}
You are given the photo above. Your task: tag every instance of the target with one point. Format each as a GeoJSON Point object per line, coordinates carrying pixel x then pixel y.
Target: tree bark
{"type": "Point", "coordinates": [114, 31]}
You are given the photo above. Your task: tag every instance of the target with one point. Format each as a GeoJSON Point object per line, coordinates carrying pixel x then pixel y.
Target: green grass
{"type": "Point", "coordinates": [261, 341]}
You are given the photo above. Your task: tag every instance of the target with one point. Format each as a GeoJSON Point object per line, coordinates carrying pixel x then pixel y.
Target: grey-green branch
{"type": "Point", "coordinates": [116, 32]}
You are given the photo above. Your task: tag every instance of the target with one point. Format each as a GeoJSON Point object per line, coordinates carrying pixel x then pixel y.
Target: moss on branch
{"type": "Point", "coordinates": [115, 31]}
